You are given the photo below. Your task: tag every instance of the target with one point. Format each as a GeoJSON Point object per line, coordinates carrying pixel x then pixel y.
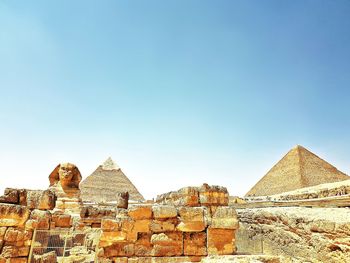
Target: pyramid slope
{"type": "Point", "coordinates": [297, 169]}
{"type": "Point", "coordinates": [103, 184]}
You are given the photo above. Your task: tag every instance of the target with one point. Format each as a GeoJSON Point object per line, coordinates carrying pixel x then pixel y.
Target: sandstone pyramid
{"type": "Point", "coordinates": [107, 180]}
{"type": "Point", "coordinates": [297, 169]}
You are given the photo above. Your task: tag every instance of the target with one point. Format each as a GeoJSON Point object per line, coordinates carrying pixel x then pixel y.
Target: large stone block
{"type": "Point", "coordinates": [62, 220]}
{"type": "Point", "coordinates": [16, 235]}
{"type": "Point", "coordinates": [195, 244]}
{"type": "Point", "coordinates": [196, 196]}
{"type": "Point", "coordinates": [225, 217]}
{"type": "Point", "coordinates": [192, 219]}
{"type": "Point", "coordinates": [122, 200]}
{"type": "Point", "coordinates": [167, 244]}
{"type": "Point", "coordinates": [41, 219]}
{"type": "Point", "coordinates": [10, 196]}
{"type": "Point", "coordinates": [213, 195]}
{"type": "Point", "coordinates": [221, 241]}
{"type": "Point", "coordinates": [142, 225]}
{"type": "Point", "coordinates": [164, 211]}
{"type": "Point", "coordinates": [119, 229]}
{"type": "Point", "coordinates": [125, 224]}
{"type": "Point", "coordinates": [13, 215]}
{"type": "Point", "coordinates": [43, 200]}
{"type": "Point", "coordinates": [121, 249]}
{"type": "Point", "coordinates": [14, 251]}
{"type": "Point", "coordinates": [92, 212]}
{"type": "Point", "coordinates": [167, 225]}
{"type": "Point", "coordinates": [187, 196]}
{"type": "Point", "coordinates": [143, 245]}
{"type": "Point", "coordinates": [138, 212]}
{"type": "Point", "coordinates": [109, 238]}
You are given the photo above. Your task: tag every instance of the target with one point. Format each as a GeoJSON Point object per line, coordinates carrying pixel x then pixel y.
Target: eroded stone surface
{"type": "Point", "coordinates": [13, 215]}
{"type": "Point", "coordinates": [205, 195]}
{"type": "Point", "coordinates": [221, 241]}
{"type": "Point", "coordinates": [304, 234]}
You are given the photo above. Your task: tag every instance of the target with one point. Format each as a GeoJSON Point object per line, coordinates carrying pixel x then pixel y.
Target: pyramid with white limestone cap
{"type": "Point", "coordinates": [105, 182]}
{"type": "Point", "coordinates": [109, 164]}
{"type": "Point", "coordinates": [299, 168]}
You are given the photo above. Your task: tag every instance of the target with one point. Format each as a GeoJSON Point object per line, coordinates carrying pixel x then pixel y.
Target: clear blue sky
{"type": "Point", "coordinates": [177, 92]}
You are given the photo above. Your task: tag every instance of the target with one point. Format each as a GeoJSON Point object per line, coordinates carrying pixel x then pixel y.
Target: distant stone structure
{"type": "Point", "coordinates": [299, 168]}
{"type": "Point", "coordinates": [104, 184]}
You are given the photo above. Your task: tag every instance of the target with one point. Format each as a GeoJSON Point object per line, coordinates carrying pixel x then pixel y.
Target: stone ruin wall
{"type": "Point", "coordinates": [190, 225]}
{"type": "Point", "coordinates": [182, 226]}
{"type": "Point", "coordinates": [200, 224]}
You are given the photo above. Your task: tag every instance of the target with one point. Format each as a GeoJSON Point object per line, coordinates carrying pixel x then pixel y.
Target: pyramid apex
{"type": "Point", "coordinates": [299, 147]}
{"type": "Point", "coordinates": [109, 164]}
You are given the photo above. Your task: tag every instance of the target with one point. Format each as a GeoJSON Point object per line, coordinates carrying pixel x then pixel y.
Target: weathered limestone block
{"type": "Point", "coordinates": [187, 196]}
{"type": "Point", "coordinates": [119, 224]}
{"type": "Point", "coordinates": [143, 245]}
{"type": "Point", "coordinates": [196, 196]}
{"type": "Point", "coordinates": [92, 215]}
{"type": "Point", "coordinates": [192, 219]}
{"type": "Point", "coordinates": [164, 211]}
{"type": "Point", "coordinates": [221, 241]}
{"type": "Point", "coordinates": [138, 212]}
{"type": "Point", "coordinates": [167, 225]}
{"type": "Point", "coordinates": [14, 251]}
{"type": "Point", "coordinates": [68, 204]}
{"type": "Point", "coordinates": [38, 199]}
{"type": "Point", "coordinates": [142, 226]}
{"type": "Point", "coordinates": [167, 244]}
{"type": "Point", "coordinates": [10, 196]}
{"type": "Point", "coordinates": [306, 234]}
{"type": "Point", "coordinates": [17, 236]}
{"type": "Point", "coordinates": [195, 244]}
{"type": "Point", "coordinates": [213, 195]}
{"type": "Point", "coordinates": [39, 219]}
{"type": "Point", "coordinates": [225, 217]}
{"type": "Point", "coordinates": [13, 215]}
{"type": "Point", "coordinates": [61, 220]}
{"type": "Point", "coordinates": [97, 212]}
{"type": "Point", "coordinates": [122, 200]}
{"type": "Point", "coordinates": [117, 230]}
{"type": "Point", "coordinates": [120, 249]}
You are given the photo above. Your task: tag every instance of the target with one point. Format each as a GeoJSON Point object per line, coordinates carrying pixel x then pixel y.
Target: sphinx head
{"type": "Point", "coordinates": [67, 175]}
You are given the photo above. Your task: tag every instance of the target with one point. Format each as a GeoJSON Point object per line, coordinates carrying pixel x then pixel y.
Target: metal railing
{"type": "Point", "coordinates": [67, 245]}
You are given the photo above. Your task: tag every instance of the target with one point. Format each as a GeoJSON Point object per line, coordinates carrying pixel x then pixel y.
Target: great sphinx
{"type": "Point", "coordinates": [64, 182]}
